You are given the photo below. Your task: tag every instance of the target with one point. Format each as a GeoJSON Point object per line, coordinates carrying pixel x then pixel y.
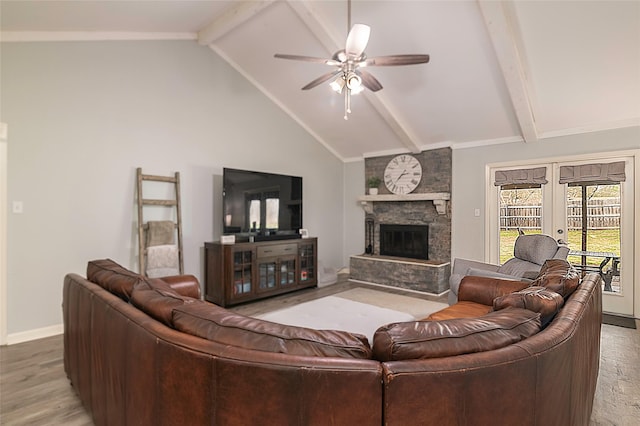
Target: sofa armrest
{"type": "Point", "coordinates": [185, 285]}
{"type": "Point", "coordinates": [484, 289]}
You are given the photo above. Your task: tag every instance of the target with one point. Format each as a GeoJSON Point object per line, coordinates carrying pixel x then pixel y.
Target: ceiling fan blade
{"type": "Point", "coordinates": [307, 59]}
{"type": "Point", "coordinates": [395, 60]}
{"type": "Point", "coordinates": [357, 40]}
{"type": "Point", "coordinates": [369, 81]}
{"type": "Point", "coordinates": [321, 79]}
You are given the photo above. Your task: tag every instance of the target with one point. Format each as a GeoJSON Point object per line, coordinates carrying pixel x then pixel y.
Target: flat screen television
{"type": "Point", "coordinates": [261, 206]}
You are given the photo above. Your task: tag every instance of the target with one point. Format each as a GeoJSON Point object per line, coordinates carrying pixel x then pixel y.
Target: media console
{"type": "Point", "coordinates": [242, 272]}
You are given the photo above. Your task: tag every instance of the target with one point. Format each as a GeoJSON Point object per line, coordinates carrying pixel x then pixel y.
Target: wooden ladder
{"type": "Point", "coordinates": [171, 203]}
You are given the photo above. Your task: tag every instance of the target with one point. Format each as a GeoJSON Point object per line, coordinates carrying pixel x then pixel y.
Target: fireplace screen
{"type": "Point", "coordinates": [410, 241]}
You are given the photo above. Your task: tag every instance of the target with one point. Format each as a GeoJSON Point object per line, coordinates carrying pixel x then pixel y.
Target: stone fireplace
{"type": "Point", "coordinates": [408, 237]}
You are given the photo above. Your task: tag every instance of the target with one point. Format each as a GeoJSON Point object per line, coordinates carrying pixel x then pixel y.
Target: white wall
{"type": "Point", "coordinates": [354, 229]}
{"type": "Point", "coordinates": [469, 177]}
{"type": "Point", "coordinates": [84, 115]}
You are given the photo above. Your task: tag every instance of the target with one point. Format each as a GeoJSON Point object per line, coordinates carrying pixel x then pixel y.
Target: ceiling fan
{"type": "Point", "coordinates": [349, 75]}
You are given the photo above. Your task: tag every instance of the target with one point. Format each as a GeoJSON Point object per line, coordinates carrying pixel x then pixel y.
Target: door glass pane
{"type": "Point", "coordinates": [520, 211]}
{"type": "Point", "coordinates": [593, 222]}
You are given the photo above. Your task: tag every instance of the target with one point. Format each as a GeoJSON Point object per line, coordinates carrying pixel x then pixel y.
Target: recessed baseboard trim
{"type": "Point", "coordinates": [38, 333]}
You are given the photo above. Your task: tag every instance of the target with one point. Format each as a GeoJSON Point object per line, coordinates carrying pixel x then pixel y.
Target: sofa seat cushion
{"type": "Point", "coordinates": [462, 309]}
{"type": "Point", "coordinates": [217, 324]}
{"type": "Point", "coordinates": [157, 299]}
{"type": "Point", "coordinates": [536, 299]}
{"type": "Point", "coordinates": [438, 339]}
{"type": "Point", "coordinates": [558, 275]}
{"type": "Point", "coordinates": [113, 277]}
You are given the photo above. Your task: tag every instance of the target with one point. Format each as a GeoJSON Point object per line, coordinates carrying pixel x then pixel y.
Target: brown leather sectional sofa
{"type": "Point", "coordinates": [150, 352]}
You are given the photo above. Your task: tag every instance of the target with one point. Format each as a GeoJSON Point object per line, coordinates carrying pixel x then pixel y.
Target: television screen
{"type": "Point", "coordinates": [263, 205]}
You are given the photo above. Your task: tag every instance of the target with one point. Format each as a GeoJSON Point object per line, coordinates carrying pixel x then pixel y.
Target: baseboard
{"type": "Point", "coordinates": [38, 333]}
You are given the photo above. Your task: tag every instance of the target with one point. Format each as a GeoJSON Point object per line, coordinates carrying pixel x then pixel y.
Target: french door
{"type": "Point", "coordinates": [595, 217]}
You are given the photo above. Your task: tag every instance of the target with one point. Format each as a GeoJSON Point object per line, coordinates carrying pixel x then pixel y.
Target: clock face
{"type": "Point", "coordinates": [403, 174]}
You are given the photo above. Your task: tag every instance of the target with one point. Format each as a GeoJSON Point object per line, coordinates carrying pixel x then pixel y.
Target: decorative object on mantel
{"type": "Point", "coordinates": [403, 174]}
{"type": "Point", "coordinates": [372, 183]}
{"type": "Point", "coordinates": [439, 200]}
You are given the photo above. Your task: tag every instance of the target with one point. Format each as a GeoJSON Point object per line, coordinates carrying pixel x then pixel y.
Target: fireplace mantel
{"type": "Point", "coordinates": [439, 200]}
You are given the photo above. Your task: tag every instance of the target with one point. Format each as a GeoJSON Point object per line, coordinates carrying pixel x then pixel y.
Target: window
{"type": "Point", "coordinates": [520, 212]}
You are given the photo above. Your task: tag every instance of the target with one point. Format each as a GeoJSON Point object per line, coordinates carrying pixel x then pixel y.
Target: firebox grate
{"type": "Point", "coordinates": [410, 241]}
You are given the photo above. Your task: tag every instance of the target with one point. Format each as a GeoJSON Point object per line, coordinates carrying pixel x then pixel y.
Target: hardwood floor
{"type": "Point", "coordinates": [34, 389]}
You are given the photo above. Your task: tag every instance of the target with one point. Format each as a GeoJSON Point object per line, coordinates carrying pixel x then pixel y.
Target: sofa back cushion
{"type": "Point", "coordinates": [217, 324]}
{"type": "Point", "coordinates": [438, 339]}
{"type": "Point", "coordinates": [558, 275]}
{"type": "Point", "coordinates": [112, 277]}
{"type": "Point", "coordinates": [537, 299]}
{"type": "Point", "coordinates": [157, 299]}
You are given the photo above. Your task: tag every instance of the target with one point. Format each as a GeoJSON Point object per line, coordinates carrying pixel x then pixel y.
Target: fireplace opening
{"type": "Point", "coordinates": [410, 241]}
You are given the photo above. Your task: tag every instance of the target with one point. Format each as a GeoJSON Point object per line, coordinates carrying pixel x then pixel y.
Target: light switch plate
{"type": "Point", "coordinates": [18, 207]}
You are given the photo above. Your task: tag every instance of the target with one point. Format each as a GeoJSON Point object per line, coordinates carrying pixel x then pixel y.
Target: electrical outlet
{"type": "Point", "coordinates": [18, 207]}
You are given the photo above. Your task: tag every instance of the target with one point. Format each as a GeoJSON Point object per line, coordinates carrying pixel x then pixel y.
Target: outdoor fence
{"type": "Point", "coordinates": [602, 213]}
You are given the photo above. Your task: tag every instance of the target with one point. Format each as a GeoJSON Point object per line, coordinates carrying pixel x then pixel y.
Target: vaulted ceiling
{"type": "Point", "coordinates": [500, 72]}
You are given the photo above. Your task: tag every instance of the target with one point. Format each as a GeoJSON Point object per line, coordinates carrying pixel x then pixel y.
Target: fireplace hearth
{"type": "Point", "coordinates": [409, 241]}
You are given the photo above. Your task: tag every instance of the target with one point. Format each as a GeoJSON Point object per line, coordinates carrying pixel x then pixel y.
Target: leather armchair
{"type": "Point", "coordinates": [529, 251]}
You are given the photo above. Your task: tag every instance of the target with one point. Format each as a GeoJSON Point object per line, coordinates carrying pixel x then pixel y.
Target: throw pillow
{"type": "Point", "coordinates": [112, 277]}
{"type": "Point", "coordinates": [558, 275]}
{"type": "Point", "coordinates": [157, 299]}
{"type": "Point", "coordinates": [439, 339]}
{"type": "Point", "coordinates": [537, 299]}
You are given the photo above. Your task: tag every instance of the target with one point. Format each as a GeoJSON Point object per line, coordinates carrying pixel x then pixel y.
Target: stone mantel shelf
{"type": "Point", "coordinates": [439, 200]}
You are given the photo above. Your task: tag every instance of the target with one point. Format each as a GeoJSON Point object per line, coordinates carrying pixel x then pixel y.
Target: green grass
{"type": "Point", "coordinates": [597, 240]}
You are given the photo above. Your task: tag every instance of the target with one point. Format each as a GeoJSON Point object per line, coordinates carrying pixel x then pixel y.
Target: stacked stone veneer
{"type": "Point", "coordinates": [431, 276]}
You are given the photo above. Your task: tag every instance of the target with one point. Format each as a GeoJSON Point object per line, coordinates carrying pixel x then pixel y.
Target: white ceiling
{"type": "Point", "coordinates": [512, 71]}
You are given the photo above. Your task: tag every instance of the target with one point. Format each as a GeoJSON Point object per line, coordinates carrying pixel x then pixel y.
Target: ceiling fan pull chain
{"type": "Point", "coordinates": [347, 104]}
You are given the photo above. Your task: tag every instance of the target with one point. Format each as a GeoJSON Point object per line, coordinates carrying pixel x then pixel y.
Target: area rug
{"type": "Point", "coordinates": [338, 312]}
{"type": "Point", "coordinates": [619, 321]}
{"type": "Point", "coordinates": [418, 308]}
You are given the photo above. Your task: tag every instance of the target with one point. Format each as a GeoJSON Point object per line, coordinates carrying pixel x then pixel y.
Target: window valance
{"type": "Point", "coordinates": [596, 172]}
{"type": "Point", "coordinates": [535, 176]}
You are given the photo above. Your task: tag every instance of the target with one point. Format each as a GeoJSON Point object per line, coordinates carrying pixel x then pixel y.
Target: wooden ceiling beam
{"type": "Point", "coordinates": [230, 19]}
{"type": "Point", "coordinates": [502, 24]}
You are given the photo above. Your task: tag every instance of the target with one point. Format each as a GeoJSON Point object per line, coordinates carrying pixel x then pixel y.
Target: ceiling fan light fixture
{"type": "Point", "coordinates": [338, 84]}
{"type": "Point", "coordinates": [354, 83]}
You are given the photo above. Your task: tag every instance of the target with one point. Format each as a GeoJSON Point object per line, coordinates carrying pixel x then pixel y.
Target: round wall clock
{"type": "Point", "coordinates": [403, 174]}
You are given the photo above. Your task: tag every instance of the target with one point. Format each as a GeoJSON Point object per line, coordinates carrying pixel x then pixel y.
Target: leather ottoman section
{"type": "Point", "coordinates": [217, 324]}
{"type": "Point", "coordinates": [462, 309]}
